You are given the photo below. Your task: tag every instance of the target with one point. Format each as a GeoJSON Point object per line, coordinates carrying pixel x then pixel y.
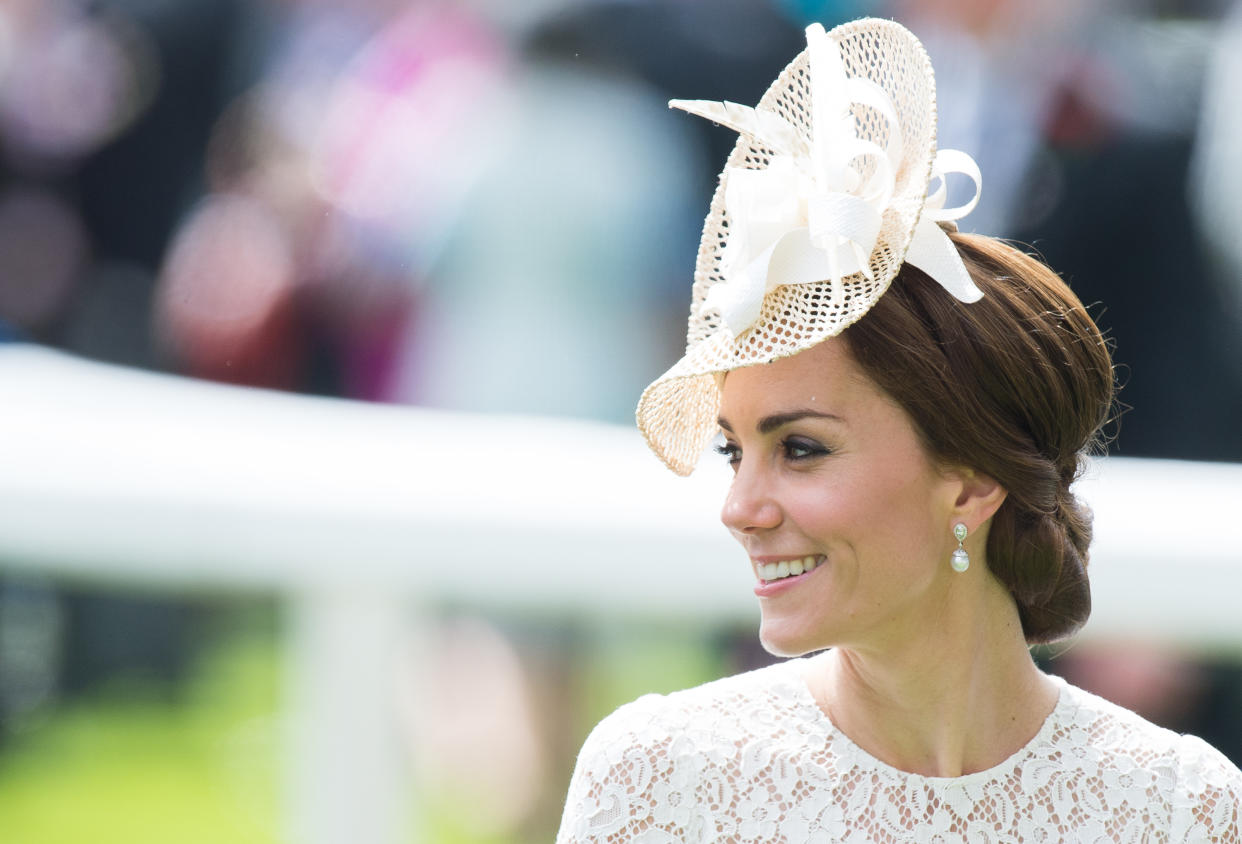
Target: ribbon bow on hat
{"type": "Point", "coordinates": [815, 212]}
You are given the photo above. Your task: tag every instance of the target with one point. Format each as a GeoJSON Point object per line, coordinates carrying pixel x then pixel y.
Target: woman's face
{"type": "Point", "coordinates": [828, 467]}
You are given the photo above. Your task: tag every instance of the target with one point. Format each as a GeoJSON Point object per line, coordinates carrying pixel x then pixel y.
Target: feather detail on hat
{"type": "Point", "coordinates": [767, 127]}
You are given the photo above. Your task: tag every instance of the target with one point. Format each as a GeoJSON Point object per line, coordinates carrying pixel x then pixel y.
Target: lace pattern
{"type": "Point", "coordinates": [752, 758]}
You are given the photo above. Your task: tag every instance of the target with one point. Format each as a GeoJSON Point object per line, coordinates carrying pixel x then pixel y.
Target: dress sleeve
{"type": "Point", "coordinates": [1208, 803]}
{"type": "Point", "coordinates": [618, 793]}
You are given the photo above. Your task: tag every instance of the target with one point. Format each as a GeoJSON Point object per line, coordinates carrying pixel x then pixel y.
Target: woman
{"type": "Point", "coordinates": [904, 409]}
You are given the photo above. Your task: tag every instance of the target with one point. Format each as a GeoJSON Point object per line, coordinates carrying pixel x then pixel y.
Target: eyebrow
{"type": "Point", "coordinates": [768, 424]}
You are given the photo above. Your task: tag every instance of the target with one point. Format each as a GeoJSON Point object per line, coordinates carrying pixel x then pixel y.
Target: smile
{"type": "Point", "coordinates": [769, 572]}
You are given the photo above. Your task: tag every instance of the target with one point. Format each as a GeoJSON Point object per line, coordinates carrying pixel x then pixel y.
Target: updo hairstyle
{"type": "Point", "coordinates": [1017, 386]}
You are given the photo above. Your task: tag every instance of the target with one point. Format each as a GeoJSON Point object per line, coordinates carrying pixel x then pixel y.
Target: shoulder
{"type": "Point", "coordinates": [643, 767]}
{"type": "Point", "coordinates": [1199, 788]}
{"type": "Point", "coordinates": [727, 706]}
{"type": "Point", "coordinates": [1115, 732]}
{"type": "Point", "coordinates": [1208, 799]}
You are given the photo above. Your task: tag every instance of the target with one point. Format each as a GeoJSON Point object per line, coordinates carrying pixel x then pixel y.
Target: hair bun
{"type": "Point", "coordinates": [1051, 588]}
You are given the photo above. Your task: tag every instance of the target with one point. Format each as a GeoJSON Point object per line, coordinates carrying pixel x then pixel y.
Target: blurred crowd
{"type": "Point", "coordinates": [486, 205]}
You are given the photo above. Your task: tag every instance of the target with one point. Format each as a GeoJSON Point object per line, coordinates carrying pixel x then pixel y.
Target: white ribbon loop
{"type": "Point", "coordinates": [930, 249]}
{"type": "Point", "coordinates": [815, 213]}
{"type": "Point", "coordinates": [951, 161]}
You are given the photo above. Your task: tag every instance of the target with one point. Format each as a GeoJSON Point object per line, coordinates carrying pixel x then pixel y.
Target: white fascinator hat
{"type": "Point", "coordinates": [824, 197]}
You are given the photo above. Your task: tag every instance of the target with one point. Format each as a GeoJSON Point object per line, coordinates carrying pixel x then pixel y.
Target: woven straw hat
{"type": "Point", "coordinates": [823, 198]}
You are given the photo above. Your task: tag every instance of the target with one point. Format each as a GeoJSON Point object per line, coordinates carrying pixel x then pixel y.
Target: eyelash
{"type": "Point", "coordinates": [729, 451]}
{"type": "Point", "coordinates": [807, 450]}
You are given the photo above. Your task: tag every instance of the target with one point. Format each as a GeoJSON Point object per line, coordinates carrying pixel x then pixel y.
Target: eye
{"type": "Point", "coordinates": [797, 448]}
{"type": "Point", "coordinates": [731, 453]}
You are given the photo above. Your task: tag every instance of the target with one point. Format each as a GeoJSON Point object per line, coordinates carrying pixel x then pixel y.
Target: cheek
{"type": "Point", "coordinates": [837, 512]}
{"type": "Point", "coordinates": [887, 518]}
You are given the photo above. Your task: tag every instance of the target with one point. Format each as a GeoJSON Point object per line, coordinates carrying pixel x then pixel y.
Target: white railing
{"type": "Point", "coordinates": [355, 511]}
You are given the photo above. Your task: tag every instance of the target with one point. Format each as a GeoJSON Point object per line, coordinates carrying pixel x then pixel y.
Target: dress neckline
{"type": "Point", "coordinates": [806, 701]}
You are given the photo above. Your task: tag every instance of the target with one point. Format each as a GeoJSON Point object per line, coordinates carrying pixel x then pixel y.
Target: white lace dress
{"type": "Point", "coordinates": [752, 758]}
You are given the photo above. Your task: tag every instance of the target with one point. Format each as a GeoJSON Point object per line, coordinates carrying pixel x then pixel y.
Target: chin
{"type": "Point", "coordinates": [781, 640]}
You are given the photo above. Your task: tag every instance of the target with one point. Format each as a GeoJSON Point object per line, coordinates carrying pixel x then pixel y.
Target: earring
{"type": "Point", "coordinates": [960, 559]}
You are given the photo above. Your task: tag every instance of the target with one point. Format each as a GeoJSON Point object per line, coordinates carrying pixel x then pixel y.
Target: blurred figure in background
{"type": "Point", "coordinates": [1217, 171]}
{"type": "Point", "coordinates": [559, 249]}
{"type": "Point", "coordinates": [333, 185]}
{"type": "Point", "coordinates": [431, 228]}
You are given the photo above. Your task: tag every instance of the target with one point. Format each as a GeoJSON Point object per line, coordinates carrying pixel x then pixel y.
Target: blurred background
{"type": "Point", "coordinates": [486, 206]}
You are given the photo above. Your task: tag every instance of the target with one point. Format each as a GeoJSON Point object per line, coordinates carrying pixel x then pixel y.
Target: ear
{"type": "Point", "coordinates": [979, 496]}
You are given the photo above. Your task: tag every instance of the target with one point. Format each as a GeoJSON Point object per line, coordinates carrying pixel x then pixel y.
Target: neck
{"type": "Point", "coordinates": [960, 696]}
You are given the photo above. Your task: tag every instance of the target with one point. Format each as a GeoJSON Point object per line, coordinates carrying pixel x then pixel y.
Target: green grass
{"type": "Point", "coordinates": [138, 765]}
{"type": "Point", "coordinates": [128, 765]}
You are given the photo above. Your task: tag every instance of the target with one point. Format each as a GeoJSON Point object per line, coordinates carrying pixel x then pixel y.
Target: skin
{"type": "Point", "coordinates": [928, 669]}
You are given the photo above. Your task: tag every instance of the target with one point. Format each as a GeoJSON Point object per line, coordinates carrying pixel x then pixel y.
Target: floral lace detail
{"type": "Point", "coordinates": [752, 758]}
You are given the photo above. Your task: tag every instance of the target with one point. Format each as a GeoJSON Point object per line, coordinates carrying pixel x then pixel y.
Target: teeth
{"type": "Point", "coordinates": [786, 568]}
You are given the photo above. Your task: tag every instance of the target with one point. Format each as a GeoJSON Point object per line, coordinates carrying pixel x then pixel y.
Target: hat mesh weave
{"type": "Point", "coordinates": [677, 413]}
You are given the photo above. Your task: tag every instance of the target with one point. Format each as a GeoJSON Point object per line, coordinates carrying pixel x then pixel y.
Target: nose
{"type": "Point", "coordinates": [750, 506]}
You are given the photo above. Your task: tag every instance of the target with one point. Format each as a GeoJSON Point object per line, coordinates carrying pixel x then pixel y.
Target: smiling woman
{"type": "Point", "coordinates": [904, 409]}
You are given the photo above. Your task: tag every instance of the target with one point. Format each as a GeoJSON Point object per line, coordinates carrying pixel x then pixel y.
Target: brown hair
{"type": "Point", "coordinates": [1018, 386]}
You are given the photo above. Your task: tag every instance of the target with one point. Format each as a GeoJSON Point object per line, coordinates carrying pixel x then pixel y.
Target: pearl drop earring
{"type": "Point", "coordinates": [960, 559]}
